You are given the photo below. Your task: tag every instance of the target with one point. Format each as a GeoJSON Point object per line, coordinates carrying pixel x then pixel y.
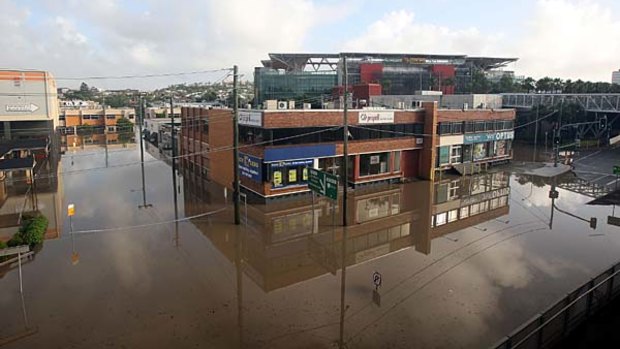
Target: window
{"type": "Point", "coordinates": [480, 126]}
{"type": "Point", "coordinates": [444, 155]}
{"type": "Point", "coordinates": [469, 127]}
{"type": "Point", "coordinates": [110, 116]}
{"type": "Point", "coordinates": [455, 154]}
{"type": "Point", "coordinates": [397, 155]}
{"type": "Point", "coordinates": [441, 219]}
{"type": "Point", "coordinates": [465, 212]}
{"type": "Point", "coordinates": [453, 215]}
{"type": "Point", "coordinates": [131, 116]}
{"type": "Point", "coordinates": [457, 127]}
{"type": "Point", "coordinates": [453, 191]}
{"type": "Point", "coordinates": [374, 164]}
{"type": "Point", "coordinates": [94, 117]}
{"type": "Point", "coordinates": [85, 117]}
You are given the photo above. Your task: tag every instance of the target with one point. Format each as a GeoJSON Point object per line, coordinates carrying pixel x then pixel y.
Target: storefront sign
{"type": "Point", "coordinates": [296, 163]}
{"type": "Point", "coordinates": [376, 117]}
{"type": "Point", "coordinates": [485, 196]}
{"type": "Point", "coordinates": [250, 167]}
{"type": "Point", "coordinates": [251, 118]}
{"type": "Point", "coordinates": [488, 137]}
{"type": "Point", "coordinates": [374, 159]}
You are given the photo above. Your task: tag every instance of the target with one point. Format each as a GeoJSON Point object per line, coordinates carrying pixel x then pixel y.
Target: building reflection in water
{"type": "Point", "coordinates": [280, 248]}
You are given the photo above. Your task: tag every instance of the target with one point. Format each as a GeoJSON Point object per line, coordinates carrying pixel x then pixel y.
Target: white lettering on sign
{"type": "Point", "coordinates": [376, 117]}
{"type": "Point", "coordinates": [251, 118]}
{"type": "Point", "coordinates": [22, 108]}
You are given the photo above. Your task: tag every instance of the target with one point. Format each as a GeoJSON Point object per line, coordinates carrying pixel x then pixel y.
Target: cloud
{"type": "Point", "coordinates": [566, 39]}
{"type": "Point", "coordinates": [571, 40]}
{"type": "Point", "coordinates": [398, 31]}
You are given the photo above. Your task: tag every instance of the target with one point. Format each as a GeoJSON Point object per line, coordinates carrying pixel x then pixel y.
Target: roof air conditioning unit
{"type": "Point", "coordinates": [465, 106]}
{"type": "Point", "coordinates": [282, 105]}
{"type": "Point", "coordinates": [307, 106]}
{"type": "Point", "coordinates": [291, 104]}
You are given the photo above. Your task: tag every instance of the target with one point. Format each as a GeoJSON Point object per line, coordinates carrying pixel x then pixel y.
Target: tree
{"type": "Point", "coordinates": [124, 128]}
{"type": "Point", "coordinates": [506, 84]}
{"type": "Point", "coordinates": [544, 84]}
{"type": "Point", "coordinates": [528, 84]}
{"type": "Point", "coordinates": [480, 83]}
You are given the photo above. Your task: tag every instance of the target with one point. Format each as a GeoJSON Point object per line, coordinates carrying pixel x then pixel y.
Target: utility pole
{"type": "Point", "coordinates": [174, 167]}
{"type": "Point", "coordinates": [141, 116]}
{"type": "Point", "coordinates": [345, 148]}
{"type": "Point", "coordinates": [236, 144]}
{"type": "Point", "coordinates": [557, 140]}
{"type": "Point", "coordinates": [536, 131]}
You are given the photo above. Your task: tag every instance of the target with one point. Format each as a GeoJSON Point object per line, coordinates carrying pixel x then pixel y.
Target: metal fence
{"type": "Point", "coordinates": [551, 326]}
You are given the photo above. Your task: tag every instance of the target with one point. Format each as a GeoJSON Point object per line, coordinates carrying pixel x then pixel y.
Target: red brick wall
{"type": "Point", "coordinates": [427, 158]}
{"type": "Point", "coordinates": [221, 136]}
{"type": "Point", "coordinates": [371, 72]}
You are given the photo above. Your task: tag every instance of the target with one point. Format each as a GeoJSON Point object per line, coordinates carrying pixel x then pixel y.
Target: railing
{"type": "Point", "coordinates": [550, 327]}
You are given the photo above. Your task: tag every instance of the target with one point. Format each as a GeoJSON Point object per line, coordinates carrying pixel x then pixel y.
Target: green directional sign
{"type": "Point", "coordinates": [616, 170]}
{"type": "Point", "coordinates": [323, 183]}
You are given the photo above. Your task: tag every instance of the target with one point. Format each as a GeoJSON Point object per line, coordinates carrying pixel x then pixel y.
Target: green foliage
{"type": "Point", "coordinates": [123, 125]}
{"type": "Point", "coordinates": [3, 245]}
{"type": "Point", "coordinates": [117, 101]}
{"type": "Point", "coordinates": [31, 232]}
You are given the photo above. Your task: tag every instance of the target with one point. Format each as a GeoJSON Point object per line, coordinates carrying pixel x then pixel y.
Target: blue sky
{"type": "Point", "coordinates": [560, 38]}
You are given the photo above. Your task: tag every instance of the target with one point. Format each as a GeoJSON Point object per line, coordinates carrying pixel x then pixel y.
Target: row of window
{"type": "Point", "coordinates": [468, 211]}
{"type": "Point", "coordinates": [460, 127]}
{"type": "Point", "coordinates": [456, 154]}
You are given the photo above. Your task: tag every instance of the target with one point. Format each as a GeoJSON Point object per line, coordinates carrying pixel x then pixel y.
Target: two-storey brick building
{"type": "Point", "coordinates": [277, 147]}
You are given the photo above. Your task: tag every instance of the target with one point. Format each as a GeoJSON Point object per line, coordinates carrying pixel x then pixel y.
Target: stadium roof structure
{"type": "Point", "coordinates": [316, 61]}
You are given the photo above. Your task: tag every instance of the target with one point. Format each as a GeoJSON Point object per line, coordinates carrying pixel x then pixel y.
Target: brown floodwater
{"type": "Point", "coordinates": [463, 262]}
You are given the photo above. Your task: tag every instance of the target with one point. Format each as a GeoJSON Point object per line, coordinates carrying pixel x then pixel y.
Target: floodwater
{"type": "Point", "coordinates": [130, 277]}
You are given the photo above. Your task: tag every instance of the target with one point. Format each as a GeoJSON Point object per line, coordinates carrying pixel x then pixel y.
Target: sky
{"type": "Point", "coordinates": [569, 39]}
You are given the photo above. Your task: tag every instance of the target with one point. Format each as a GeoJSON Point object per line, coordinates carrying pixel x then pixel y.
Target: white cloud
{"type": "Point", "coordinates": [571, 40]}
{"type": "Point", "coordinates": [567, 39]}
{"type": "Point", "coordinates": [398, 31]}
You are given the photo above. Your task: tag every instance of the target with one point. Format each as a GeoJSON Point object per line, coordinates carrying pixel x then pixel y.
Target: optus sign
{"type": "Point", "coordinates": [376, 117]}
{"type": "Point", "coordinates": [250, 167]}
{"type": "Point", "coordinates": [488, 137]}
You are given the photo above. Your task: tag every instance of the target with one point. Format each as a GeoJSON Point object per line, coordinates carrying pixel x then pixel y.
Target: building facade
{"type": "Point", "coordinates": [615, 77]}
{"type": "Point", "coordinates": [28, 104]}
{"type": "Point", "coordinates": [100, 119]}
{"type": "Point", "coordinates": [313, 77]}
{"type": "Point", "coordinates": [278, 147]}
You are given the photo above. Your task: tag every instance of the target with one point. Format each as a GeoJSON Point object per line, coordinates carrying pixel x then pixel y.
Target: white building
{"type": "Point", "coordinates": [615, 77]}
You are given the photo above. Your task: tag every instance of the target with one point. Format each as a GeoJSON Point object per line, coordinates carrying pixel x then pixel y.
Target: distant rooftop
{"type": "Point", "coordinates": [299, 61]}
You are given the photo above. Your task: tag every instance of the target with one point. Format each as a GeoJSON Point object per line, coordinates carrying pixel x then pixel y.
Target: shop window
{"type": "Point", "coordinates": [465, 212]}
{"type": "Point", "coordinates": [457, 128]}
{"type": "Point", "coordinates": [441, 193]}
{"type": "Point", "coordinates": [374, 164]}
{"type": "Point", "coordinates": [288, 173]}
{"type": "Point", "coordinates": [480, 151]}
{"type": "Point", "coordinates": [503, 201]}
{"type": "Point", "coordinates": [441, 219]}
{"type": "Point", "coordinates": [453, 215]}
{"type": "Point", "coordinates": [453, 191]}
{"type": "Point", "coordinates": [467, 153]}
{"type": "Point", "coordinates": [474, 209]}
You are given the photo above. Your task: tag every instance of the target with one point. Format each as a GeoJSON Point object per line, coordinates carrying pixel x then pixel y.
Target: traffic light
{"type": "Point", "coordinates": [593, 222]}
{"type": "Point", "coordinates": [556, 140]}
{"type": "Point", "coordinates": [602, 122]}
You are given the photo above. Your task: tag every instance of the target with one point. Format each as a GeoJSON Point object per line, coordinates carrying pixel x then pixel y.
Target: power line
{"type": "Point", "coordinates": [141, 76]}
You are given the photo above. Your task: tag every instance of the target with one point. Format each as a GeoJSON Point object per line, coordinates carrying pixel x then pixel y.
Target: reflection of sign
{"type": "Point", "coordinates": [376, 117]}
{"type": "Point", "coordinates": [71, 210]}
{"type": "Point", "coordinates": [485, 196]}
{"type": "Point", "coordinates": [22, 108]}
{"type": "Point", "coordinates": [250, 118]}
{"type": "Point", "coordinates": [488, 137]}
{"type": "Point", "coordinates": [617, 170]}
{"type": "Point", "coordinates": [323, 183]}
{"type": "Point", "coordinates": [374, 159]}
{"type": "Point", "coordinates": [250, 167]}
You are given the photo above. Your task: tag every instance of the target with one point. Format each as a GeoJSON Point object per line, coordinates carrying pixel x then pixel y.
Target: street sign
{"type": "Point", "coordinates": [71, 210]}
{"type": "Point", "coordinates": [617, 169]}
{"type": "Point", "coordinates": [323, 183]}
{"type": "Point", "coordinates": [611, 220]}
{"type": "Point", "coordinates": [376, 279]}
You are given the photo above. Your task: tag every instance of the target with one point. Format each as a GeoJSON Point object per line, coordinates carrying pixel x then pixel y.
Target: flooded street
{"type": "Point", "coordinates": [463, 261]}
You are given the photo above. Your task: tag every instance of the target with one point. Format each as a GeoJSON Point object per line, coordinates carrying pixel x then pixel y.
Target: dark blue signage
{"type": "Point", "coordinates": [250, 167]}
{"type": "Point", "coordinates": [300, 152]}
{"type": "Point", "coordinates": [294, 163]}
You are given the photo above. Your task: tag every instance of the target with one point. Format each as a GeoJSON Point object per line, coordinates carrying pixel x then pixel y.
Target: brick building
{"type": "Point", "coordinates": [103, 120]}
{"type": "Point", "coordinates": [278, 146]}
